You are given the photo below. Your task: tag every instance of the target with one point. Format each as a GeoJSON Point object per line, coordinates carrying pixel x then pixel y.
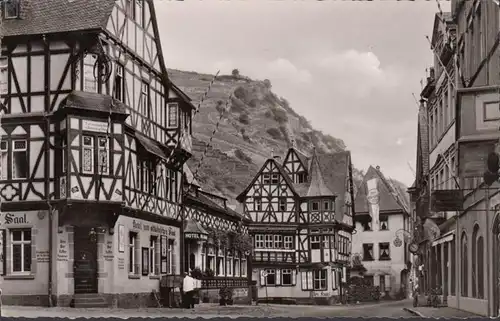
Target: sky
{"type": "Point", "coordinates": [349, 67]}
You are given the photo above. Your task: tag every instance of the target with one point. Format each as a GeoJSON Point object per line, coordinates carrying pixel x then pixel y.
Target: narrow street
{"type": "Point", "coordinates": [384, 309]}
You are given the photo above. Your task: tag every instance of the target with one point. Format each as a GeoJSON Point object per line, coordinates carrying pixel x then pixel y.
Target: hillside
{"type": "Point", "coordinates": [256, 123]}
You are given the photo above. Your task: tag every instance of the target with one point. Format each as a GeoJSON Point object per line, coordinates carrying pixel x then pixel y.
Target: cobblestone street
{"type": "Point", "coordinates": [384, 309]}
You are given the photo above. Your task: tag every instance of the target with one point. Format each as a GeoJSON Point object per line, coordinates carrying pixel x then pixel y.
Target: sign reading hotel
{"type": "Point", "coordinates": [94, 126]}
{"type": "Point", "coordinates": [196, 236]}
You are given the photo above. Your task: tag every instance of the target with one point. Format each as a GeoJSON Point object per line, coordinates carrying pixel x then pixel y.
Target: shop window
{"type": "Point", "coordinates": [21, 250]}
{"type": "Point", "coordinates": [269, 278]}
{"type": "Point", "coordinates": [319, 280]}
{"type": "Point", "coordinates": [133, 266]}
{"type": "Point", "coordinates": [153, 269]}
{"type": "Point", "coordinates": [286, 277]}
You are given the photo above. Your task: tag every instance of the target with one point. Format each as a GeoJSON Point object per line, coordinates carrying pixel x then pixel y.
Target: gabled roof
{"type": "Point", "coordinates": [282, 171]}
{"type": "Point", "coordinates": [54, 16]}
{"type": "Point", "coordinates": [388, 199]}
{"type": "Point", "coordinates": [317, 185]}
{"type": "Point", "coordinates": [39, 17]}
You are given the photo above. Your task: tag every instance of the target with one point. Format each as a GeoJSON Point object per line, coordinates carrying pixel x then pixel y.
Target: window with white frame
{"type": "Point", "coordinates": [269, 241]}
{"type": "Point", "coordinates": [103, 154]}
{"type": "Point", "coordinates": [315, 206]}
{"type": "Point", "coordinates": [270, 277]}
{"type": "Point", "coordinates": [274, 179]}
{"type": "Point", "coordinates": [326, 205]}
{"type": "Point", "coordinates": [19, 159]}
{"type": "Point", "coordinates": [282, 204]}
{"type": "Point", "coordinates": [243, 267]}
{"type": "Point", "coordinates": [319, 280]}
{"type": "Point", "coordinates": [326, 241]}
{"type": "Point", "coordinates": [145, 110]}
{"type": "Point", "coordinates": [88, 154]}
{"type": "Point", "coordinates": [152, 255]}
{"type": "Point", "coordinates": [173, 115]}
{"type": "Point", "coordinates": [119, 91]}
{"type": "Point", "coordinates": [258, 203]}
{"type": "Point", "coordinates": [63, 155]}
{"type": "Point", "coordinates": [171, 257]}
{"type": "Point", "coordinates": [278, 241]}
{"type": "Point", "coordinates": [89, 81]}
{"type": "Point", "coordinates": [211, 258]}
{"type": "Point", "coordinates": [384, 223]}
{"type": "Point", "coordinates": [133, 266]}
{"type": "Point", "coordinates": [3, 76]}
{"type": "Point", "coordinates": [21, 250]}
{"type": "Point", "coordinates": [237, 265]}
{"type": "Point", "coordinates": [286, 277]}
{"type": "Point", "coordinates": [288, 242]}
{"type": "Point", "coordinates": [266, 178]}
{"type": "Point", "coordinates": [4, 155]}
{"type": "Point", "coordinates": [220, 263]}
{"type": "Point", "coordinates": [229, 264]}
{"type": "Point", "coordinates": [315, 242]}
{"type": "Point", "coordinates": [11, 9]}
{"type": "Point", "coordinates": [259, 241]}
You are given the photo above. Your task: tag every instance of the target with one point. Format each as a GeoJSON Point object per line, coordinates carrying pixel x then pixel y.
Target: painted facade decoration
{"type": "Point", "coordinates": [382, 234]}
{"type": "Point", "coordinates": [301, 213]}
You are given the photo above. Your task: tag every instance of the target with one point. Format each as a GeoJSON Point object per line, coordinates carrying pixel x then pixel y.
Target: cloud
{"type": "Point", "coordinates": [284, 69]}
{"type": "Point", "coordinates": [356, 72]}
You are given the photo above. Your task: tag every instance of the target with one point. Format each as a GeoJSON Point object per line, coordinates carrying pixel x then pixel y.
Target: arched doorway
{"type": "Point", "coordinates": [496, 265]}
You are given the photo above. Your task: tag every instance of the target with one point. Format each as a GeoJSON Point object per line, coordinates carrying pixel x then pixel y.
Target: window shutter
{"type": "Point", "coordinates": [310, 280]}
{"type": "Point", "coordinates": [294, 277]}
{"type": "Point", "coordinates": [304, 280]}
{"type": "Point", "coordinates": [387, 281]}
{"type": "Point", "coordinates": [262, 278]}
{"type": "Point", "coordinates": [278, 277]}
{"type": "Point", "coordinates": [3, 259]}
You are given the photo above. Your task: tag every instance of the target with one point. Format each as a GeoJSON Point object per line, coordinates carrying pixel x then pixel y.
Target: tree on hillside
{"type": "Point", "coordinates": [235, 73]}
{"type": "Point", "coordinates": [267, 83]}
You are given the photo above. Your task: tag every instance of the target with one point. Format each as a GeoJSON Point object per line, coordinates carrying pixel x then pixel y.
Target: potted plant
{"type": "Point", "coordinates": [209, 273]}
{"type": "Point", "coordinates": [196, 273]}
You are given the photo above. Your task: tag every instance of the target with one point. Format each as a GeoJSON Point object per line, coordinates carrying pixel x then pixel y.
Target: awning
{"type": "Point", "coordinates": [193, 230]}
{"type": "Point", "coordinates": [447, 237]}
{"type": "Point", "coordinates": [150, 145]}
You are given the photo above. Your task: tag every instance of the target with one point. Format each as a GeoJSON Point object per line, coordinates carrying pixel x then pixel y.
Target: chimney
{"type": "Point", "coordinates": [277, 158]}
{"type": "Point", "coordinates": [377, 168]}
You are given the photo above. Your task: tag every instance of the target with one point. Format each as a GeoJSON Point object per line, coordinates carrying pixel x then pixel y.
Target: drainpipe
{"type": "Point", "coordinates": [51, 303]}
{"type": "Point", "coordinates": [488, 245]}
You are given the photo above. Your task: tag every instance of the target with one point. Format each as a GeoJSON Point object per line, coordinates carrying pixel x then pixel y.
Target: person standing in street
{"type": "Point", "coordinates": [188, 291]}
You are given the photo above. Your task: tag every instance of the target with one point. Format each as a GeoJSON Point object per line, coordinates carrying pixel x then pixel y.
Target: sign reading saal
{"type": "Point", "coordinates": [12, 219]}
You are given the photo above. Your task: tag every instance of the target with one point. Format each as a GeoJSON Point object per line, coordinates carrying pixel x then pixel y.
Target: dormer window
{"type": "Point", "coordinates": [11, 9]}
{"type": "Point", "coordinates": [326, 205]}
{"type": "Point", "coordinates": [172, 115]}
{"type": "Point", "coordinates": [301, 177]}
{"type": "Point", "coordinates": [315, 206]}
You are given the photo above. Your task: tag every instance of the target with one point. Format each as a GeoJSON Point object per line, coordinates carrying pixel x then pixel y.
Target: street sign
{"type": "Point", "coordinates": [398, 242]}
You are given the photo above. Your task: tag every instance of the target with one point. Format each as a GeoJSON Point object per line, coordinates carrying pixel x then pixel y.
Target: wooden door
{"type": "Point", "coordinates": [85, 263]}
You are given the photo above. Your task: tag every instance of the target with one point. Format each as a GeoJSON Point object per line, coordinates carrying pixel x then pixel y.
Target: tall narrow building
{"type": "Point", "coordinates": [301, 214]}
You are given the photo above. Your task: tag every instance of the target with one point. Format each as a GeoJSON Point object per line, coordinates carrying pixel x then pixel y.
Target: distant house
{"type": "Point", "coordinates": [382, 232]}
{"type": "Point", "coordinates": [301, 214]}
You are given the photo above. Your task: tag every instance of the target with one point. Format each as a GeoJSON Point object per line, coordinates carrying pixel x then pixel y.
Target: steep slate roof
{"type": "Point", "coordinates": [317, 185]}
{"type": "Point", "coordinates": [39, 17]}
{"type": "Point", "coordinates": [387, 200]}
{"type": "Point", "coordinates": [52, 16]}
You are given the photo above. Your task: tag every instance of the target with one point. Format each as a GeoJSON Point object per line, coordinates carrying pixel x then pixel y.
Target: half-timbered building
{"type": "Point", "coordinates": [94, 137]}
{"type": "Point", "coordinates": [302, 219]}
{"type": "Point", "coordinates": [216, 242]}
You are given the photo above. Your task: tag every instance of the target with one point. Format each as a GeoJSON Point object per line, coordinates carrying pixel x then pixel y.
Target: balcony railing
{"type": "Point", "coordinates": [220, 282]}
